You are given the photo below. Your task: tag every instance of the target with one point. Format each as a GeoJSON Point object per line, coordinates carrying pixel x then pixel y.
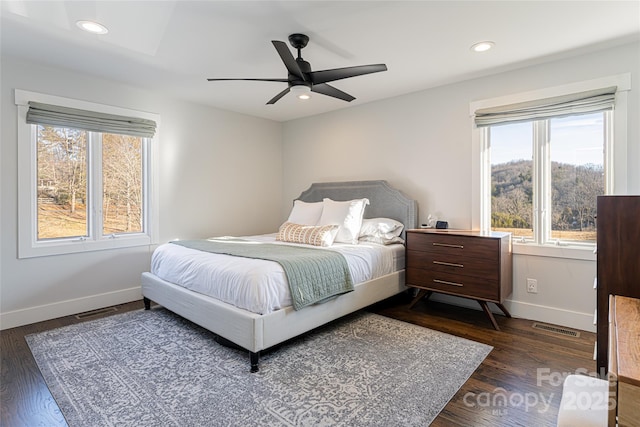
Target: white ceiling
{"type": "Point", "coordinates": [174, 46]}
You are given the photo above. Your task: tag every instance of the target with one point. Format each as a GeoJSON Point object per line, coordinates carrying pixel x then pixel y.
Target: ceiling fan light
{"type": "Point", "coordinates": [301, 91]}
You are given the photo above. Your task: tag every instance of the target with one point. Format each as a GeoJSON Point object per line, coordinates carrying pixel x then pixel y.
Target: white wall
{"type": "Point", "coordinates": [225, 173]}
{"type": "Point", "coordinates": [219, 173]}
{"type": "Point", "coordinates": [421, 143]}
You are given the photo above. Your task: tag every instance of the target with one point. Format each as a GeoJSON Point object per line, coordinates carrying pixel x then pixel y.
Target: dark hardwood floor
{"type": "Point", "coordinates": [520, 381]}
{"type": "Point", "coordinates": [518, 384]}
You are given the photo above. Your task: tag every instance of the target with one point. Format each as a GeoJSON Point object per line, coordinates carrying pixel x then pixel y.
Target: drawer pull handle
{"type": "Point", "coordinates": [448, 245]}
{"type": "Point", "coordinates": [448, 264]}
{"type": "Point", "coordinates": [444, 282]}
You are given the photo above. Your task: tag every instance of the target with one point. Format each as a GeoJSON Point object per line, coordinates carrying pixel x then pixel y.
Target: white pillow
{"type": "Point", "coordinates": [381, 240]}
{"type": "Point", "coordinates": [348, 215]}
{"type": "Point", "coordinates": [305, 213]}
{"type": "Point", "coordinates": [385, 227]}
{"type": "Point", "coordinates": [307, 234]}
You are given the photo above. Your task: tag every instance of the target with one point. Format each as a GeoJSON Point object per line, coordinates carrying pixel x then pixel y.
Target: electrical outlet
{"type": "Point", "coordinates": [532, 286]}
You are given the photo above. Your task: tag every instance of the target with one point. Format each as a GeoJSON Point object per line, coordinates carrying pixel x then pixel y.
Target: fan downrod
{"type": "Point", "coordinates": [298, 41]}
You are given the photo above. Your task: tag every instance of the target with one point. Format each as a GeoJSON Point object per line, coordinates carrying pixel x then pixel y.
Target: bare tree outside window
{"type": "Point", "coordinates": [577, 175]}
{"type": "Point", "coordinates": [511, 179]}
{"type": "Point", "coordinates": [576, 164]}
{"type": "Point", "coordinates": [62, 182]}
{"type": "Point", "coordinates": [122, 184]}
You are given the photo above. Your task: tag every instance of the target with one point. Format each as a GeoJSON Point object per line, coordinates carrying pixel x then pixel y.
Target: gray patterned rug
{"type": "Point", "coordinates": [153, 368]}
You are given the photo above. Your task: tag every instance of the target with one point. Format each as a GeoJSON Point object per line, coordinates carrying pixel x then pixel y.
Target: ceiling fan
{"type": "Point", "coordinates": [300, 77]}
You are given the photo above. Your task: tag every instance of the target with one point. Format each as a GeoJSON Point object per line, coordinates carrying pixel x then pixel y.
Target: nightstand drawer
{"type": "Point", "coordinates": [456, 284]}
{"type": "Point", "coordinates": [455, 246]}
{"type": "Point", "coordinates": [453, 264]}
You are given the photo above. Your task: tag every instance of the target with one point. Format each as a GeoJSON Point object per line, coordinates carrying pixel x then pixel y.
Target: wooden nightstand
{"type": "Point", "coordinates": [467, 264]}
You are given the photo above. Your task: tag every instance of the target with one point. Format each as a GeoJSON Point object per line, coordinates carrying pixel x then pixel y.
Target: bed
{"type": "Point", "coordinates": [256, 332]}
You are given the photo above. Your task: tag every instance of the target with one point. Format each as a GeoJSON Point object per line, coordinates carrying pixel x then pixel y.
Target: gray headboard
{"type": "Point", "coordinates": [385, 201]}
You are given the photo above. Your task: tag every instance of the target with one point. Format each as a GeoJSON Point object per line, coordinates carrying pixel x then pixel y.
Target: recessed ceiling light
{"type": "Point", "coordinates": [92, 27]}
{"type": "Point", "coordinates": [482, 46]}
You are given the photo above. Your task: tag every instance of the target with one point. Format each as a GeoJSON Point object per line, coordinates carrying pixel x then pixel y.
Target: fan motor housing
{"type": "Point", "coordinates": [298, 41]}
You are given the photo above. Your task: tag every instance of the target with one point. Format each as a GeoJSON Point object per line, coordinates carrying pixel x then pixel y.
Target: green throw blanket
{"type": "Point", "coordinates": [313, 274]}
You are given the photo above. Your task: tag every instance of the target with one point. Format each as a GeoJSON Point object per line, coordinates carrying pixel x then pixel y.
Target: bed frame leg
{"type": "Point", "coordinates": [147, 303]}
{"type": "Point", "coordinates": [255, 360]}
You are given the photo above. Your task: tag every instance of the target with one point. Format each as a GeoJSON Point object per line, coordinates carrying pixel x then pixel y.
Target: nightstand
{"type": "Point", "coordinates": [466, 264]}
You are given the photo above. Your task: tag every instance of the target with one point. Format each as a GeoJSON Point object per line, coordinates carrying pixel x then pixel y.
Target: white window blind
{"type": "Point", "coordinates": [560, 106]}
{"type": "Point", "coordinates": [55, 115]}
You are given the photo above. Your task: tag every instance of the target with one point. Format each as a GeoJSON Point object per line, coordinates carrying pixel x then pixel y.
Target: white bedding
{"type": "Point", "coordinates": [261, 286]}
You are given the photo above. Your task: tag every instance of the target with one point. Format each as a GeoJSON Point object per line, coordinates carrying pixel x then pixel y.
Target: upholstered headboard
{"type": "Point", "coordinates": [385, 201]}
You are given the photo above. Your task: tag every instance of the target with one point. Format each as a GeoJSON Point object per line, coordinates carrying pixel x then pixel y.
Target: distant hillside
{"type": "Point", "coordinates": [574, 192]}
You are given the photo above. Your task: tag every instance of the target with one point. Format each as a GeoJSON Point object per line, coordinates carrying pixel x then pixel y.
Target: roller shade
{"type": "Point", "coordinates": [559, 106]}
{"type": "Point", "coordinates": [55, 115]}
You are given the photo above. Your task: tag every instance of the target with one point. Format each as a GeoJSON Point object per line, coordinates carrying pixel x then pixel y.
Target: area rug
{"type": "Point", "coordinates": [153, 368]}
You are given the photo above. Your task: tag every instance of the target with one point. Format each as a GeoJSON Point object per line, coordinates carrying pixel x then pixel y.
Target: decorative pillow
{"type": "Point", "coordinates": [386, 227]}
{"type": "Point", "coordinates": [322, 235]}
{"type": "Point", "coordinates": [305, 213]}
{"type": "Point", "coordinates": [348, 215]}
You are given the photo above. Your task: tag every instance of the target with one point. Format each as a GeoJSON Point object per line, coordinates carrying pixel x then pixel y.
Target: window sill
{"type": "Point", "coordinates": [75, 246]}
{"type": "Point", "coordinates": [585, 253]}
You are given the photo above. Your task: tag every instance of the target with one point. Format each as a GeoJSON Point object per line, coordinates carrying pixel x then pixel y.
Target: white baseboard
{"type": "Point", "coordinates": [553, 315]}
{"type": "Point", "coordinates": [40, 313]}
{"type": "Point", "coordinates": [523, 310]}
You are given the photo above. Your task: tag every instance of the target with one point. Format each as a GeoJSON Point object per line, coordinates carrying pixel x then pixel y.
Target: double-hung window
{"type": "Point", "coordinates": [85, 176]}
{"type": "Point", "coordinates": [544, 162]}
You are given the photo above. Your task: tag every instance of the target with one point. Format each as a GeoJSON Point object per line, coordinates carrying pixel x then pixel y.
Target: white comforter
{"type": "Point", "coordinates": [256, 285]}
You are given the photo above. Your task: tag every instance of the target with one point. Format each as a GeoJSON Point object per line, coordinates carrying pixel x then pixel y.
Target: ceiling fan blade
{"type": "Point", "coordinates": [288, 59]}
{"type": "Point", "coordinates": [324, 76]}
{"type": "Point", "coordinates": [251, 80]}
{"type": "Point", "coordinates": [278, 96]}
{"type": "Point", "coordinates": [328, 90]}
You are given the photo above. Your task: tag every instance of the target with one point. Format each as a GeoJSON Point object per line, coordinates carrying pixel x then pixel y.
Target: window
{"type": "Point", "coordinates": [63, 192]}
{"type": "Point", "coordinates": [85, 183]}
{"type": "Point", "coordinates": [543, 157]}
{"type": "Point", "coordinates": [556, 200]}
{"type": "Point", "coordinates": [61, 169]}
{"type": "Point", "coordinates": [122, 184]}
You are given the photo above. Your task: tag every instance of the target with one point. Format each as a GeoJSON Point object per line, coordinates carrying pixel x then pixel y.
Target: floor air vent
{"type": "Point", "coordinates": [556, 329]}
{"type": "Point", "coordinates": [95, 312]}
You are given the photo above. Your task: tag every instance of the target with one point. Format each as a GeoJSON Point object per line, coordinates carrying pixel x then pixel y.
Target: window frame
{"type": "Point", "coordinates": [615, 163]}
{"type": "Point", "coordinates": [28, 243]}
{"type": "Point", "coordinates": [542, 181]}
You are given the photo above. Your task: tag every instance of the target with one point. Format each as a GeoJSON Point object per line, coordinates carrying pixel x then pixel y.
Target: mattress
{"type": "Point", "coordinates": [261, 286]}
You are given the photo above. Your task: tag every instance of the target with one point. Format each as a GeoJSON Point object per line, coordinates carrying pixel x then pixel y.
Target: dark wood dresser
{"type": "Point", "coordinates": [467, 264]}
{"type": "Point", "coordinates": [618, 264]}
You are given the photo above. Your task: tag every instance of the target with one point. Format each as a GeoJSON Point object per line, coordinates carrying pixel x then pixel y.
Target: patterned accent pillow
{"type": "Point", "coordinates": [322, 235]}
